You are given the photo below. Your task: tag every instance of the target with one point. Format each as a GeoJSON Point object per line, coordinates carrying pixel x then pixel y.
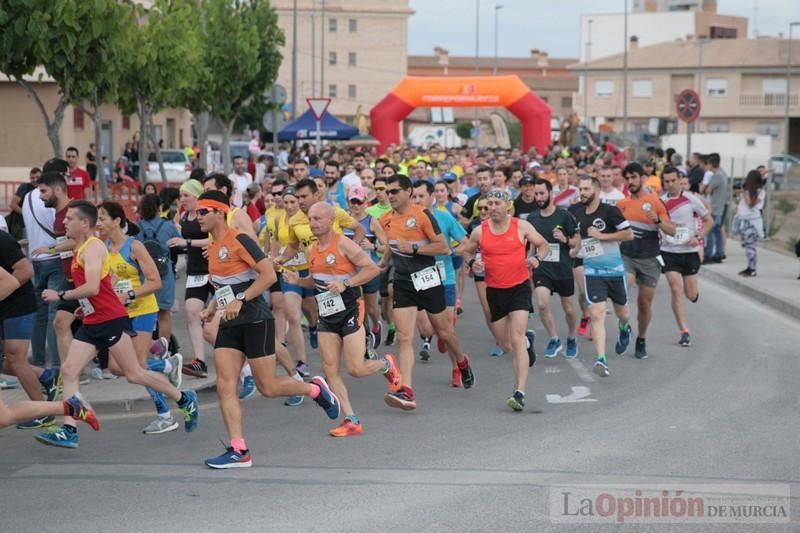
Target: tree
{"type": "Point", "coordinates": [67, 38]}
{"type": "Point", "coordinates": [166, 57]}
{"type": "Point", "coordinates": [464, 130]}
{"type": "Point", "coordinates": [240, 51]}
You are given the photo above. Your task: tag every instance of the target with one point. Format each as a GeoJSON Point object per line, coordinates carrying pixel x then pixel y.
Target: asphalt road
{"type": "Point", "coordinates": [722, 412]}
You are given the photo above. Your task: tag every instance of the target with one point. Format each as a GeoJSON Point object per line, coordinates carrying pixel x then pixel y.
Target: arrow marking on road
{"type": "Point", "coordinates": [579, 394]}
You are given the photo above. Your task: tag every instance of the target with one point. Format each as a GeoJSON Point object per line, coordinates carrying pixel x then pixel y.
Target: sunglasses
{"type": "Point", "coordinates": [203, 211]}
{"type": "Point", "coordinates": [393, 191]}
{"type": "Point", "coordinates": [355, 201]}
{"type": "Point", "coordinates": [500, 195]}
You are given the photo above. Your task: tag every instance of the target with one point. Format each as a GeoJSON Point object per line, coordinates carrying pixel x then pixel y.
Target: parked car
{"type": "Point", "coordinates": [785, 171]}
{"type": "Point", "coordinates": [176, 165]}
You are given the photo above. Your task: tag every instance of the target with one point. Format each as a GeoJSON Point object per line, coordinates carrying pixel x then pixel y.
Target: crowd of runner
{"type": "Point", "coordinates": [348, 251]}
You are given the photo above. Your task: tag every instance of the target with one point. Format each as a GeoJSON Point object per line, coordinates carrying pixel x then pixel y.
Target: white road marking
{"type": "Point", "coordinates": [579, 394]}
{"type": "Point", "coordinates": [581, 370]}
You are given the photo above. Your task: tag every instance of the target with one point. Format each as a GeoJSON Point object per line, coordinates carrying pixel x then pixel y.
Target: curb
{"type": "Point", "coordinates": [748, 291]}
{"type": "Point", "coordinates": [144, 404]}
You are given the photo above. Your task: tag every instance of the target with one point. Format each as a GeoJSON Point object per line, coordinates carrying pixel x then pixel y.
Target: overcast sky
{"type": "Point", "coordinates": [549, 25]}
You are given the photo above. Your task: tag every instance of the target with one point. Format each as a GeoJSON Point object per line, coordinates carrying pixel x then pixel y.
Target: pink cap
{"type": "Point", "coordinates": [357, 193]}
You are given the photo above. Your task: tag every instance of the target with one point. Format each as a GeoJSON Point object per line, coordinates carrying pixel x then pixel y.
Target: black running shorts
{"type": "Point", "coordinates": [504, 301]}
{"type": "Point", "coordinates": [685, 264]}
{"type": "Point", "coordinates": [344, 323]}
{"type": "Point", "coordinates": [105, 334]}
{"type": "Point", "coordinates": [563, 287]}
{"type": "Point", "coordinates": [254, 339]}
{"type": "Point", "coordinates": [430, 300]}
{"type": "Point", "coordinates": [599, 289]}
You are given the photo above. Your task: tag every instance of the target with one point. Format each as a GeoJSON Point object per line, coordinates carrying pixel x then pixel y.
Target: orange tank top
{"type": "Point", "coordinates": [503, 256]}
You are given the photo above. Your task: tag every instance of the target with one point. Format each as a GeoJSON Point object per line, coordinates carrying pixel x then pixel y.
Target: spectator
{"type": "Point", "coordinates": [91, 162]}
{"type": "Point", "coordinates": [15, 221]}
{"type": "Point", "coordinates": [79, 184]}
{"type": "Point", "coordinates": [240, 179]}
{"type": "Point", "coordinates": [251, 195]}
{"type": "Point", "coordinates": [716, 190]}
{"type": "Point", "coordinates": [751, 225]}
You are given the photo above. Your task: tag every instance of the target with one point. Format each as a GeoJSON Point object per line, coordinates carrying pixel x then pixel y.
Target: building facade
{"type": "Point", "coordinates": [350, 51]}
{"type": "Point", "coordinates": [741, 83]}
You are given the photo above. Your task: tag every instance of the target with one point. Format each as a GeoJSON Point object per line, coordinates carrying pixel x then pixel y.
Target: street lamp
{"type": "Point", "coordinates": [786, 107]}
{"type": "Point", "coordinates": [586, 75]}
{"type": "Point", "coordinates": [497, 9]}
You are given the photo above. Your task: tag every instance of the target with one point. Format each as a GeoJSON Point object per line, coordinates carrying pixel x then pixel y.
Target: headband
{"type": "Point", "coordinates": [213, 204]}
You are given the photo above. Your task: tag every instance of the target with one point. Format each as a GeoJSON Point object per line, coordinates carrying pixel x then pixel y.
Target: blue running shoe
{"type": "Point", "coordinates": [553, 347]}
{"type": "Point", "coordinates": [248, 388]}
{"type": "Point", "coordinates": [51, 385]}
{"type": "Point", "coordinates": [231, 459]}
{"type": "Point", "coordinates": [326, 398]}
{"type": "Point", "coordinates": [624, 339]}
{"type": "Point", "coordinates": [572, 348]}
{"type": "Point", "coordinates": [601, 367]}
{"type": "Point", "coordinates": [293, 401]}
{"type": "Point", "coordinates": [313, 337]}
{"type": "Point", "coordinates": [37, 423]}
{"type": "Point", "coordinates": [60, 437]}
{"type": "Point", "coordinates": [190, 410]}
{"type": "Point", "coordinates": [497, 352]}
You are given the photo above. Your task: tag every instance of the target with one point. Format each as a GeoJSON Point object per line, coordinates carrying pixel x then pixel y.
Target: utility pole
{"type": "Point", "coordinates": [497, 9]}
{"type": "Point", "coordinates": [786, 119]}
{"type": "Point", "coordinates": [294, 59]}
{"type": "Point", "coordinates": [625, 76]}
{"type": "Point", "coordinates": [587, 55]}
{"type": "Point", "coordinates": [313, 49]}
{"type": "Point", "coordinates": [322, 54]}
{"type": "Point", "coordinates": [477, 64]}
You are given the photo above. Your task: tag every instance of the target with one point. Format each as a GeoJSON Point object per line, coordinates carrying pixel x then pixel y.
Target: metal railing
{"type": "Point", "coordinates": [768, 100]}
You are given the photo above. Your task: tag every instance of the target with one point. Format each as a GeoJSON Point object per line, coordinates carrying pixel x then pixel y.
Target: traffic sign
{"type": "Point", "coordinates": [318, 106]}
{"type": "Point", "coordinates": [280, 121]}
{"type": "Point", "coordinates": [688, 105]}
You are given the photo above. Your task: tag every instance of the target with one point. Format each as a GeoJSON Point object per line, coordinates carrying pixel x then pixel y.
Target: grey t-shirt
{"type": "Point", "coordinates": [719, 192]}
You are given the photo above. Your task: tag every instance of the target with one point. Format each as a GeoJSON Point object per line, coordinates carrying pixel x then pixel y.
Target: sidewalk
{"type": "Point", "coordinates": [776, 285]}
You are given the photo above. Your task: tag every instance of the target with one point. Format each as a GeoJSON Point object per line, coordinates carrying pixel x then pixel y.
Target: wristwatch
{"type": "Point", "coordinates": [414, 249]}
{"type": "Point", "coordinates": [188, 243]}
{"type": "Point", "coordinates": [240, 297]}
{"type": "Point", "coordinates": [131, 295]}
{"type": "Point", "coordinates": [61, 295]}
{"type": "Point", "coordinates": [346, 283]}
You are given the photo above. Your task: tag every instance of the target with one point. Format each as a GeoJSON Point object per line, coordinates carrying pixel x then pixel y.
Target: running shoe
{"type": "Point", "coordinates": [686, 340]}
{"type": "Point", "coordinates": [160, 348]}
{"type": "Point", "coordinates": [52, 384]}
{"type": "Point", "coordinates": [624, 339]}
{"type": "Point", "coordinates": [377, 335]}
{"type": "Point", "coordinates": [231, 459]}
{"type": "Point", "coordinates": [370, 353]}
{"type": "Point", "coordinates": [393, 375]}
{"type": "Point", "coordinates": [440, 345]}
{"type": "Point", "coordinates": [248, 389]}
{"type": "Point", "coordinates": [601, 367]}
{"type": "Point", "coordinates": [425, 352]}
{"type": "Point", "coordinates": [641, 349]}
{"type": "Point", "coordinates": [303, 370]}
{"type": "Point", "coordinates": [196, 368]}
{"type": "Point", "coordinates": [313, 337]}
{"type": "Point", "coordinates": [553, 347]}
{"type": "Point", "coordinates": [190, 410]}
{"type": "Point", "coordinates": [572, 348]}
{"type": "Point", "coordinates": [456, 381]}
{"type": "Point", "coordinates": [293, 401]}
{"type": "Point", "coordinates": [391, 333]}
{"type": "Point", "coordinates": [467, 377]}
{"type": "Point", "coordinates": [175, 375]}
{"type": "Point", "coordinates": [79, 409]}
{"type": "Point", "coordinates": [347, 428]}
{"type": "Point", "coordinates": [497, 352]}
{"type": "Point", "coordinates": [326, 398]}
{"type": "Point", "coordinates": [530, 335]}
{"type": "Point", "coordinates": [160, 425]}
{"type": "Point", "coordinates": [517, 401]}
{"type": "Point", "coordinates": [401, 400]}
{"type": "Point", "coordinates": [37, 423]}
{"type": "Point", "coordinates": [9, 383]}
{"type": "Point", "coordinates": [583, 327]}
{"type": "Point", "coordinates": [59, 437]}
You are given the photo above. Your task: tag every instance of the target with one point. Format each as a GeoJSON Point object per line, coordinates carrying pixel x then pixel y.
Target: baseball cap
{"type": "Point", "coordinates": [526, 180]}
{"type": "Point", "coordinates": [357, 193]}
{"type": "Point", "coordinates": [449, 176]}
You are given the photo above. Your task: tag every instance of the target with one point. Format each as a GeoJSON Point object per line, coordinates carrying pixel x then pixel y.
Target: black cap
{"type": "Point", "coordinates": [526, 180]}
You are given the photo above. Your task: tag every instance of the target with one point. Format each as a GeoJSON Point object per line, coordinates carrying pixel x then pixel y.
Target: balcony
{"type": "Point", "coordinates": [767, 100]}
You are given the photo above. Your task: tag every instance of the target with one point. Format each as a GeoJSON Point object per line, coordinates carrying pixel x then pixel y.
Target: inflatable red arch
{"type": "Point", "coordinates": [480, 91]}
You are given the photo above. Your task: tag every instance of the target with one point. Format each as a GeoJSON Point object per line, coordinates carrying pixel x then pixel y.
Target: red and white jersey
{"type": "Point", "coordinates": [684, 210]}
{"type": "Point", "coordinates": [567, 197]}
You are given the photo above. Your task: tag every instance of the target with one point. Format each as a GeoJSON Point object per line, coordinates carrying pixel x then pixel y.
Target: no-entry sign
{"type": "Point", "coordinates": [688, 105]}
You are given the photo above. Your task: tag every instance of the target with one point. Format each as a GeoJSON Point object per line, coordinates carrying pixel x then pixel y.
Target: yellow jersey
{"type": "Point", "coordinates": [127, 277]}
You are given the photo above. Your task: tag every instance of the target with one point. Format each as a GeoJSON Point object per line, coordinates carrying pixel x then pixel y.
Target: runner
{"type": "Point", "coordinates": [443, 203]}
{"type": "Point", "coordinates": [642, 256]}
{"type": "Point", "coordinates": [453, 233]}
{"type": "Point", "coordinates": [415, 240]}
{"type": "Point", "coordinates": [681, 252]}
{"type": "Point", "coordinates": [105, 325]}
{"type": "Point", "coordinates": [339, 268]}
{"type": "Point", "coordinates": [554, 275]}
{"type": "Point", "coordinates": [241, 273]}
{"type": "Point", "coordinates": [503, 240]}
{"type": "Point", "coordinates": [526, 202]}
{"type": "Point", "coordinates": [602, 227]}
{"type": "Point", "coordinates": [376, 211]}
{"type": "Point", "coordinates": [357, 198]}
{"type": "Point", "coordinates": [608, 193]}
{"type": "Point", "coordinates": [135, 280]}
{"type": "Point", "coordinates": [564, 193]}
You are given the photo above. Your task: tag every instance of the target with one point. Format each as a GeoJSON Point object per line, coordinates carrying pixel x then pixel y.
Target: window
{"type": "Point", "coordinates": [604, 88]}
{"type": "Point", "coordinates": [77, 118]}
{"type": "Point", "coordinates": [773, 129]}
{"type": "Point", "coordinates": [332, 58]}
{"type": "Point", "coordinates": [352, 25]}
{"type": "Point", "coordinates": [126, 123]}
{"type": "Point", "coordinates": [718, 127]}
{"type": "Point", "coordinates": [773, 86]}
{"type": "Point", "coordinates": [351, 91]}
{"type": "Point", "coordinates": [642, 88]}
{"type": "Point", "coordinates": [566, 102]}
{"type": "Point", "coordinates": [351, 59]}
{"type": "Point", "coordinates": [332, 25]}
{"type": "Point", "coordinates": [717, 87]}
{"type": "Point", "coordinates": [332, 90]}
